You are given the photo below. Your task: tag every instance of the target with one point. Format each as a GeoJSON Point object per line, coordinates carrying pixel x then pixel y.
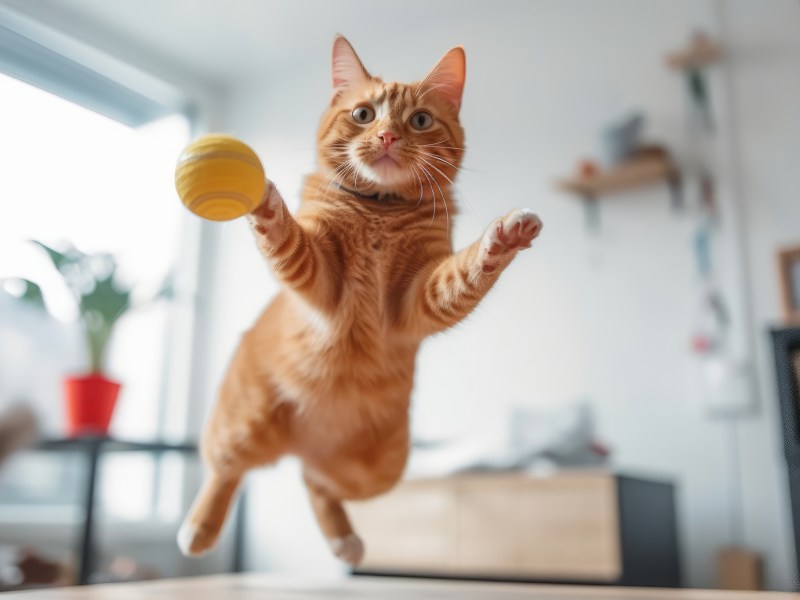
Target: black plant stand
{"type": "Point", "coordinates": [93, 448]}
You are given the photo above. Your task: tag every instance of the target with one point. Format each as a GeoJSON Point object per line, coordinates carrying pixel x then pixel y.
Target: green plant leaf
{"type": "Point", "coordinates": [59, 259]}
{"type": "Point", "coordinates": [33, 294]}
{"type": "Point", "coordinates": [100, 300]}
{"type": "Point", "coordinates": [105, 300]}
{"type": "Point", "coordinates": [98, 334]}
{"type": "Point", "coordinates": [100, 309]}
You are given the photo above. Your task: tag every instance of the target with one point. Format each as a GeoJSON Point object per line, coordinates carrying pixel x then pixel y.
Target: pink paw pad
{"type": "Point", "coordinates": [507, 235]}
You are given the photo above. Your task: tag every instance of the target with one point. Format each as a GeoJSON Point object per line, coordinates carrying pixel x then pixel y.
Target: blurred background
{"type": "Point", "coordinates": [620, 409]}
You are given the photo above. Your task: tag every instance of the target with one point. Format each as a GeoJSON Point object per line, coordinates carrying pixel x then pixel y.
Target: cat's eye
{"type": "Point", "coordinates": [421, 120]}
{"type": "Point", "coordinates": [363, 115]}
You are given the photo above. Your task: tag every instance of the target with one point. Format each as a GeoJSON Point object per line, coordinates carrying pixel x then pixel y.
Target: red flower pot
{"type": "Point", "coordinates": [90, 403]}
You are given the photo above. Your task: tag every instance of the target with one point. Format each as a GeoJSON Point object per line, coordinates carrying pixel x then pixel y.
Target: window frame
{"type": "Point", "coordinates": [53, 61]}
{"type": "Point", "coordinates": [47, 58]}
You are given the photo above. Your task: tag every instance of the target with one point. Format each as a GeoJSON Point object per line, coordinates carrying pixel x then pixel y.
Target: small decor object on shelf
{"type": "Point", "coordinates": [789, 278]}
{"type": "Point", "coordinates": [219, 178]}
{"type": "Point", "coordinates": [101, 301]}
{"type": "Point", "coordinates": [623, 137]}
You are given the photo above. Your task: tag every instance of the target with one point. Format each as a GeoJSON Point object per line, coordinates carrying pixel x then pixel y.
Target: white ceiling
{"type": "Point", "coordinates": [228, 42]}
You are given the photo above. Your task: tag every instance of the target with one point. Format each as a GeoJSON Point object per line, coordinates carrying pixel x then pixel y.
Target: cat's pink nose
{"type": "Point", "coordinates": [388, 137]}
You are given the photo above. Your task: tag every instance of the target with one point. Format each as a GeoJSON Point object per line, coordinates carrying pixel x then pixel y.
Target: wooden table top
{"type": "Point", "coordinates": [253, 586]}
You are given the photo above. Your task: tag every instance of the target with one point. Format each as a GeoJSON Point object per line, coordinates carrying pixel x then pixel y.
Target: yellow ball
{"type": "Point", "coordinates": [219, 178]}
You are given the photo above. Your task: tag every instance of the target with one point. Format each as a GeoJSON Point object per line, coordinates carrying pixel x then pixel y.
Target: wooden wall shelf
{"type": "Point", "coordinates": [634, 173]}
{"type": "Point", "coordinates": [700, 52]}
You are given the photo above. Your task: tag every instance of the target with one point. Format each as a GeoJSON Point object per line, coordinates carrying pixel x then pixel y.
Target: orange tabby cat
{"type": "Point", "coordinates": [326, 372]}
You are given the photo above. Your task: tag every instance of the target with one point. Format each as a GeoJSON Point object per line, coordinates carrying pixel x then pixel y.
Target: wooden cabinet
{"type": "Point", "coordinates": [570, 527]}
{"type": "Point", "coordinates": [412, 527]}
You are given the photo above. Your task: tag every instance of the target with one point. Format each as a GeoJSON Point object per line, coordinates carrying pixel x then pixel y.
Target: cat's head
{"type": "Point", "coordinates": [403, 139]}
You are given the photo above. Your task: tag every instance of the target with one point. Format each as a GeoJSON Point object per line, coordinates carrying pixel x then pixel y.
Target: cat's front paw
{"type": "Point", "coordinates": [506, 236]}
{"type": "Point", "coordinates": [268, 212]}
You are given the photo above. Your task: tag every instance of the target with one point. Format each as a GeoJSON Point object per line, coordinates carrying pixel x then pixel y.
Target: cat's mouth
{"type": "Point", "coordinates": [385, 161]}
{"type": "Point", "coordinates": [384, 169]}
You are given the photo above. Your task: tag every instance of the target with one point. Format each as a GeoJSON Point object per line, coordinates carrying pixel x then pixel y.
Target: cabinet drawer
{"type": "Point", "coordinates": [564, 527]}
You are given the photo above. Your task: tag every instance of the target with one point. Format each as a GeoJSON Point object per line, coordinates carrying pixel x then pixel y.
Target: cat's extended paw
{"type": "Point", "coordinates": [268, 212]}
{"type": "Point", "coordinates": [350, 549]}
{"type": "Point", "coordinates": [507, 235]}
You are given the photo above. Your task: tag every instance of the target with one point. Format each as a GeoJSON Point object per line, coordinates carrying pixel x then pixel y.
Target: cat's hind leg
{"type": "Point", "coordinates": [229, 456]}
{"type": "Point", "coordinates": [248, 428]}
{"type": "Point", "coordinates": [201, 527]}
{"type": "Point", "coordinates": [335, 525]}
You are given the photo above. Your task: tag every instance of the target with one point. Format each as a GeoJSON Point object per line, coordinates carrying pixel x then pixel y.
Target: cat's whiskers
{"type": "Point", "coordinates": [444, 199]}
{"type": "Point", "coordinates": [350, 166]}
{"type": "Point", "coordinates": [355, 179]}
{"type": "Point", "coordinates": [335, 151]}
{"type": "Point", "coordinates": [324, 180]}
{"type": "Point", "coordinates": [433, 193]}
{"type": "Point", "coordinates": [445, 148]}
{"type": "Point", "coordinates": [331, 177]}
{"type": "Point", "coordinates": [438, 145]}
{"type": "Point", "coordinates": [469, 204]}
{"type": "Point", "coordinates": [459, 169]}
{"type": "Point", "coordinates": [338, 171]}
{"type": "Point", "coordinates": [438, 170]}
{"type": "Point", "coordinates": [334, 155]}
{"type": "Point", "coordinates": [435, 143]}
{"type": "Point", "coordinates": [439, 158]}
{"type": "Point", "coordinates": [419, 179]}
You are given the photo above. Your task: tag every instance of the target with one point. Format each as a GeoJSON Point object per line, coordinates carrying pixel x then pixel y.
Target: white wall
{"type": "Point", "coordinates": [605, 318]}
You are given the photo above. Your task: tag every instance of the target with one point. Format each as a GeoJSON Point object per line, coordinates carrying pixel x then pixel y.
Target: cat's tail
{"type": "Point", "coordinates": [202, 525]}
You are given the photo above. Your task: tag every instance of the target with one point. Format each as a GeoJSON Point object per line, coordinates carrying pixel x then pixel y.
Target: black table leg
{"type": "Point", "coordinates": [238, 534]}
{"type": "Point", "coordinates": [86, 540]}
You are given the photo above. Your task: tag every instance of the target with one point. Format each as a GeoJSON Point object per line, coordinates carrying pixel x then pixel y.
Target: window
{"type": "Point", "coordinates": [71, 174]}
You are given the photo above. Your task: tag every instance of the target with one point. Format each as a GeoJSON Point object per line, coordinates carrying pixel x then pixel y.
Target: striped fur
{"type": "Point", "coordinates": [369, 271]}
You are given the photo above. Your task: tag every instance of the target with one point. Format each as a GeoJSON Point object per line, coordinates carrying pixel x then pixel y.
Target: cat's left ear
{"type": "Point", "coordinates": [347, 70]}
{"type": "Point", "coordinates": [447, 78]}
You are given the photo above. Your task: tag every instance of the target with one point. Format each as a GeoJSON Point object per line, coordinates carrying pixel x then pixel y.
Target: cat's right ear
{"type": "Point", "coordinates": [347, 70]}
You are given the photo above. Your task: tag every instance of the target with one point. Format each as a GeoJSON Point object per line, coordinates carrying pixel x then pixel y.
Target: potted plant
{"type": "Point", "coordinates": [101, 300]}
